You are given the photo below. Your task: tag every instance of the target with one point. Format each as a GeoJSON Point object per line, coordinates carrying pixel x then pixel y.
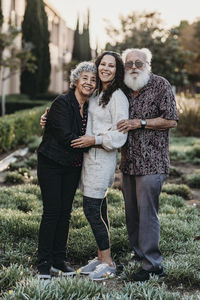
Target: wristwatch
{"type": "Point", "coordinates": [143, 123]}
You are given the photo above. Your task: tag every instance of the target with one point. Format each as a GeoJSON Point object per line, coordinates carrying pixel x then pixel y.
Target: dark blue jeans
{"type": "Point", "coordinates": [58, 186]}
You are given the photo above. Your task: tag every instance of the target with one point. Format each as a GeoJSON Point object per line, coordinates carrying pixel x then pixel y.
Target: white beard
{"type": "Point", "coordinates": [136, 83]}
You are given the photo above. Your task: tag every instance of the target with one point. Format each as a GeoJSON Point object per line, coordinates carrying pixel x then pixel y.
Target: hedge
{"type": "Point", "coordinates": [16, 128]}
{"type": "Point", "coordinates": [12, 107]}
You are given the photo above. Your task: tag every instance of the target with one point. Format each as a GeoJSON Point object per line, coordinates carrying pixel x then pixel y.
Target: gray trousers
{"type": "Point", "coordinates": [141, 195]}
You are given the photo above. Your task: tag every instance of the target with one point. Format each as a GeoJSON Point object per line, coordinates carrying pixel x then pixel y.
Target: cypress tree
{"type": "Point", "coordinates": [1, 15]}
{"type": "Point", "coordinates": [1, 22]}
{"type": "Point", "coordinates": [85, 50]}
{"type": "Point", "coordinates": [46, 65]}
{"type": "Point", "coordinates": [76, 55]}
{"type": "Point", "coordinates": [87, 38]}
{"type": "Point", "coordinates": [34, 32]}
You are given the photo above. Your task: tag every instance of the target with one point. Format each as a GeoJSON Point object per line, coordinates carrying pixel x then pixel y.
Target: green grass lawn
{"type": "Point", "coordinates": [20, 214]}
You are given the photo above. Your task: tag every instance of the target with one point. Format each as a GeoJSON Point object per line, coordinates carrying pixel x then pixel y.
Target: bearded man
{"type": "Point", "coordinates": [145, 157]}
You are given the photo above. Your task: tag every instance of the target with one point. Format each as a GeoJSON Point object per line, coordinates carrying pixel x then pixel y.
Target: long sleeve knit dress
{"type": "Point", "coordinates": [99, 163]}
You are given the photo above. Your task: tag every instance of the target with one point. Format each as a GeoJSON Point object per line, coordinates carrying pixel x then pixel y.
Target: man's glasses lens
{"type": "Point", "coordinates": [137, 63]}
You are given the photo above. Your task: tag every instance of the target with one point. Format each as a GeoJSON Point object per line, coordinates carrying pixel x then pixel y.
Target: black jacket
{"type": "Point", "coordinates": [63, 125]}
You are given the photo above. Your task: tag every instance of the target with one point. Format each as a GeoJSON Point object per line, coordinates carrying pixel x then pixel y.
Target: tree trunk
{"type": "Point", "coordinates": [3, 95]}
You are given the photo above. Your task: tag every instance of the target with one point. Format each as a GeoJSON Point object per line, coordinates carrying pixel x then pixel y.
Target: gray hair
{"type": "Point", "coordinates": [86, 66]}
{"type": "Point", "coordinates": [144, 51]}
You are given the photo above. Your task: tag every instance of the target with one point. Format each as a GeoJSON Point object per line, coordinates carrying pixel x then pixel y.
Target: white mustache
{"type": "Point", "coordinates": [136, 83]}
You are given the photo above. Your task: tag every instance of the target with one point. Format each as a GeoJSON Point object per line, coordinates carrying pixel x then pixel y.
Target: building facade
{"type": "Point", "coordinates": [61, 43]}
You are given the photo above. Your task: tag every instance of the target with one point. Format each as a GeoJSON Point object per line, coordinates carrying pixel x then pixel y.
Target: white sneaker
{"type": "Point", "coordinates": [90, 267]}
{"type": "Point", "coordinates": [103, 271]}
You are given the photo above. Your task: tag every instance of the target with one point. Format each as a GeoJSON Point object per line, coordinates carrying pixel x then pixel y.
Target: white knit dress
{"type": "Point", "coordinates": [99, 164]}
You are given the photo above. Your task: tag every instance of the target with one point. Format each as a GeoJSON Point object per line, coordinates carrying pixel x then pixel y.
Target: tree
{"type": "Point", "coordinates": [1, 15]}
{"type": "Point", "coordinates": [189, 39]}
{"type": "Point", "coordinates": [76, 48]}
{"type": "Point", "coordinates": [46, 64]}
{"type": "Point", "coordinates": [85, 41]}
{"type": "Point", "coordinates": [12, 60]}
{"type": "Point", "coordinates": [81, 49]}
{"type": "Point", "coordinates": [35, 31]}
{"type": "Point", "coordinates": [144, 30]}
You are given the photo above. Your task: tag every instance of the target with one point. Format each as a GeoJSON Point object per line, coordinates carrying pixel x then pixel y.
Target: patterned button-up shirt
{"type": "Point", "coordinates": [147, 151]}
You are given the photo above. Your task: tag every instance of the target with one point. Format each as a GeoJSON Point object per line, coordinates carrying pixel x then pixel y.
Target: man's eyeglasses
{"type": "Point", "coordinates": [138, 64]}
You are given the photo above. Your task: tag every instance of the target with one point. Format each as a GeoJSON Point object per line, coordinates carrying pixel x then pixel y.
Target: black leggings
{"type": "Point", "coordinates": [96, 213]}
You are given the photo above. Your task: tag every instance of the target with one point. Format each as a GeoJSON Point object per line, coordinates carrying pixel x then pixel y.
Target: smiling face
{"type": "Point", "coordinates": [86, 84]}
{"type": "Point", "coordinates": [107, 69]}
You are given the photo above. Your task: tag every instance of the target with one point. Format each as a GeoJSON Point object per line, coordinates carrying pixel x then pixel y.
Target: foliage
{"type": "Point", "coordinates": [14, 177]}
{"type": "Point", "coordinates": [184, 149]}
{"type": "Point", "coordinates": [13, 59]}
{"type": "Point", "coordinates": [16, 128]}
{"type": "Point", "coordinates": [175, 172]}
{"type": "Point", "coordinates": [1, 15]}
{"type": "Point", "coordinates": [76, 48]}
{"type": "Point", "coordinates": [35, 31]}
{"type": "Point", "coordinates": [14, 104]}
{"type": "Point", "coordinates": [20, 214]}
{"type": "Point", "coordinates": [81, 50]}
{"type": "Point", "coordinates": [177, 189]}
{"type": "Point", "coordinates": [189, 116]}
{"type": "Point", "coordinates": [9, 276]}
{"type": "Point", "coordinates": [144, 30]}
{"type": "Point", "coordinates": [193, 180]}
{"type": "Point", "coordinates": [45, 64]}
{"type": "Point", "coordinates": [188, 36]}
{"type": "Point", "coordinates": [34, 144]}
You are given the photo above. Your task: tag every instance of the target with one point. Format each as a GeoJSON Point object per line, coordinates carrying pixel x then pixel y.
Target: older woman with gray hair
{"type": "Point", "coordinates": [59, 169]}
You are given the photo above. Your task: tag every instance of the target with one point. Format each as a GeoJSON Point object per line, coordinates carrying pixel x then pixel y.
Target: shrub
{"type": "Point", "coordinates": [189, 117]}
{"type": "Point", "coordinates": [11, 275]}
{"type": "Point", "coordinates": [184, 149]}
{"type": "Point", "coordinates": [114, 197]}
{"type": "Point", "coordinates": [14, 177]}
{"type": "Point", "coordinates": [172, 200]}
{"type": "Point", "coordinates": [34, 180]}
{"type": "Point", "coordinates": [20, 164]}
{"type": "Point", "coordinates": [193, 180]}
{"type": "Point", "coordinates": [20, 215]}
{"type": "Point", "coordinates": [13, 105]}
{"type": "Point", "coordinates": [31, 161]}
{"type": "Point", "coordinates": [16, 128]}
{"type": "Point", "coordinates": [78, 288]}
{"type": "Point", "coordinates": [175, 172]}
{"type": "Point", "coordinates": [177, 189]}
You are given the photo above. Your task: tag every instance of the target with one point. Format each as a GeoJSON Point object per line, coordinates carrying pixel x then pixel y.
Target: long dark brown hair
{"type": "Point", "coordinates": [118, 81]}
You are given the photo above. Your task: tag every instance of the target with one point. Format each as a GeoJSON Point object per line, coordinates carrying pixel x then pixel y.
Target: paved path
{"type": "Point", "coordinates": [4, 163]}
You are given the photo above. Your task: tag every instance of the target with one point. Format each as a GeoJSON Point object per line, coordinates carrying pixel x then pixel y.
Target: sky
{"type": "Point", "coordinates": [172, 11]}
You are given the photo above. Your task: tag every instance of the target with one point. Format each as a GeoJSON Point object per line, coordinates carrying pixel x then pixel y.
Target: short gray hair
{"type": "Point", "coordinates": [146, 52]}
{"type": "Point", "coordinates": [86, 66]}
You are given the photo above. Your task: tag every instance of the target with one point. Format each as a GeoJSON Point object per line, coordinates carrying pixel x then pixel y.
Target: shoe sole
{"type": "Point", "coordinates": [85, 273]}
{"type": "Point", "coordinates": [45, 277]}
{"type": "Point", "coordinates": [57, 271]}
{"type": "Point", "coordinates": [104, 278]}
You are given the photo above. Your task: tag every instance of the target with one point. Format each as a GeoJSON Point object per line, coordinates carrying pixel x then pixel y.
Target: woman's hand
{"type": "Point", "coordinates": [43, 118]}
{"type": "Point", "coordinates": [83, 142]}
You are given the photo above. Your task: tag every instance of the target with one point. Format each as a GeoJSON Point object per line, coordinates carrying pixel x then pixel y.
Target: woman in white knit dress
{"type": "Point", "coordinates": [106, 108]}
